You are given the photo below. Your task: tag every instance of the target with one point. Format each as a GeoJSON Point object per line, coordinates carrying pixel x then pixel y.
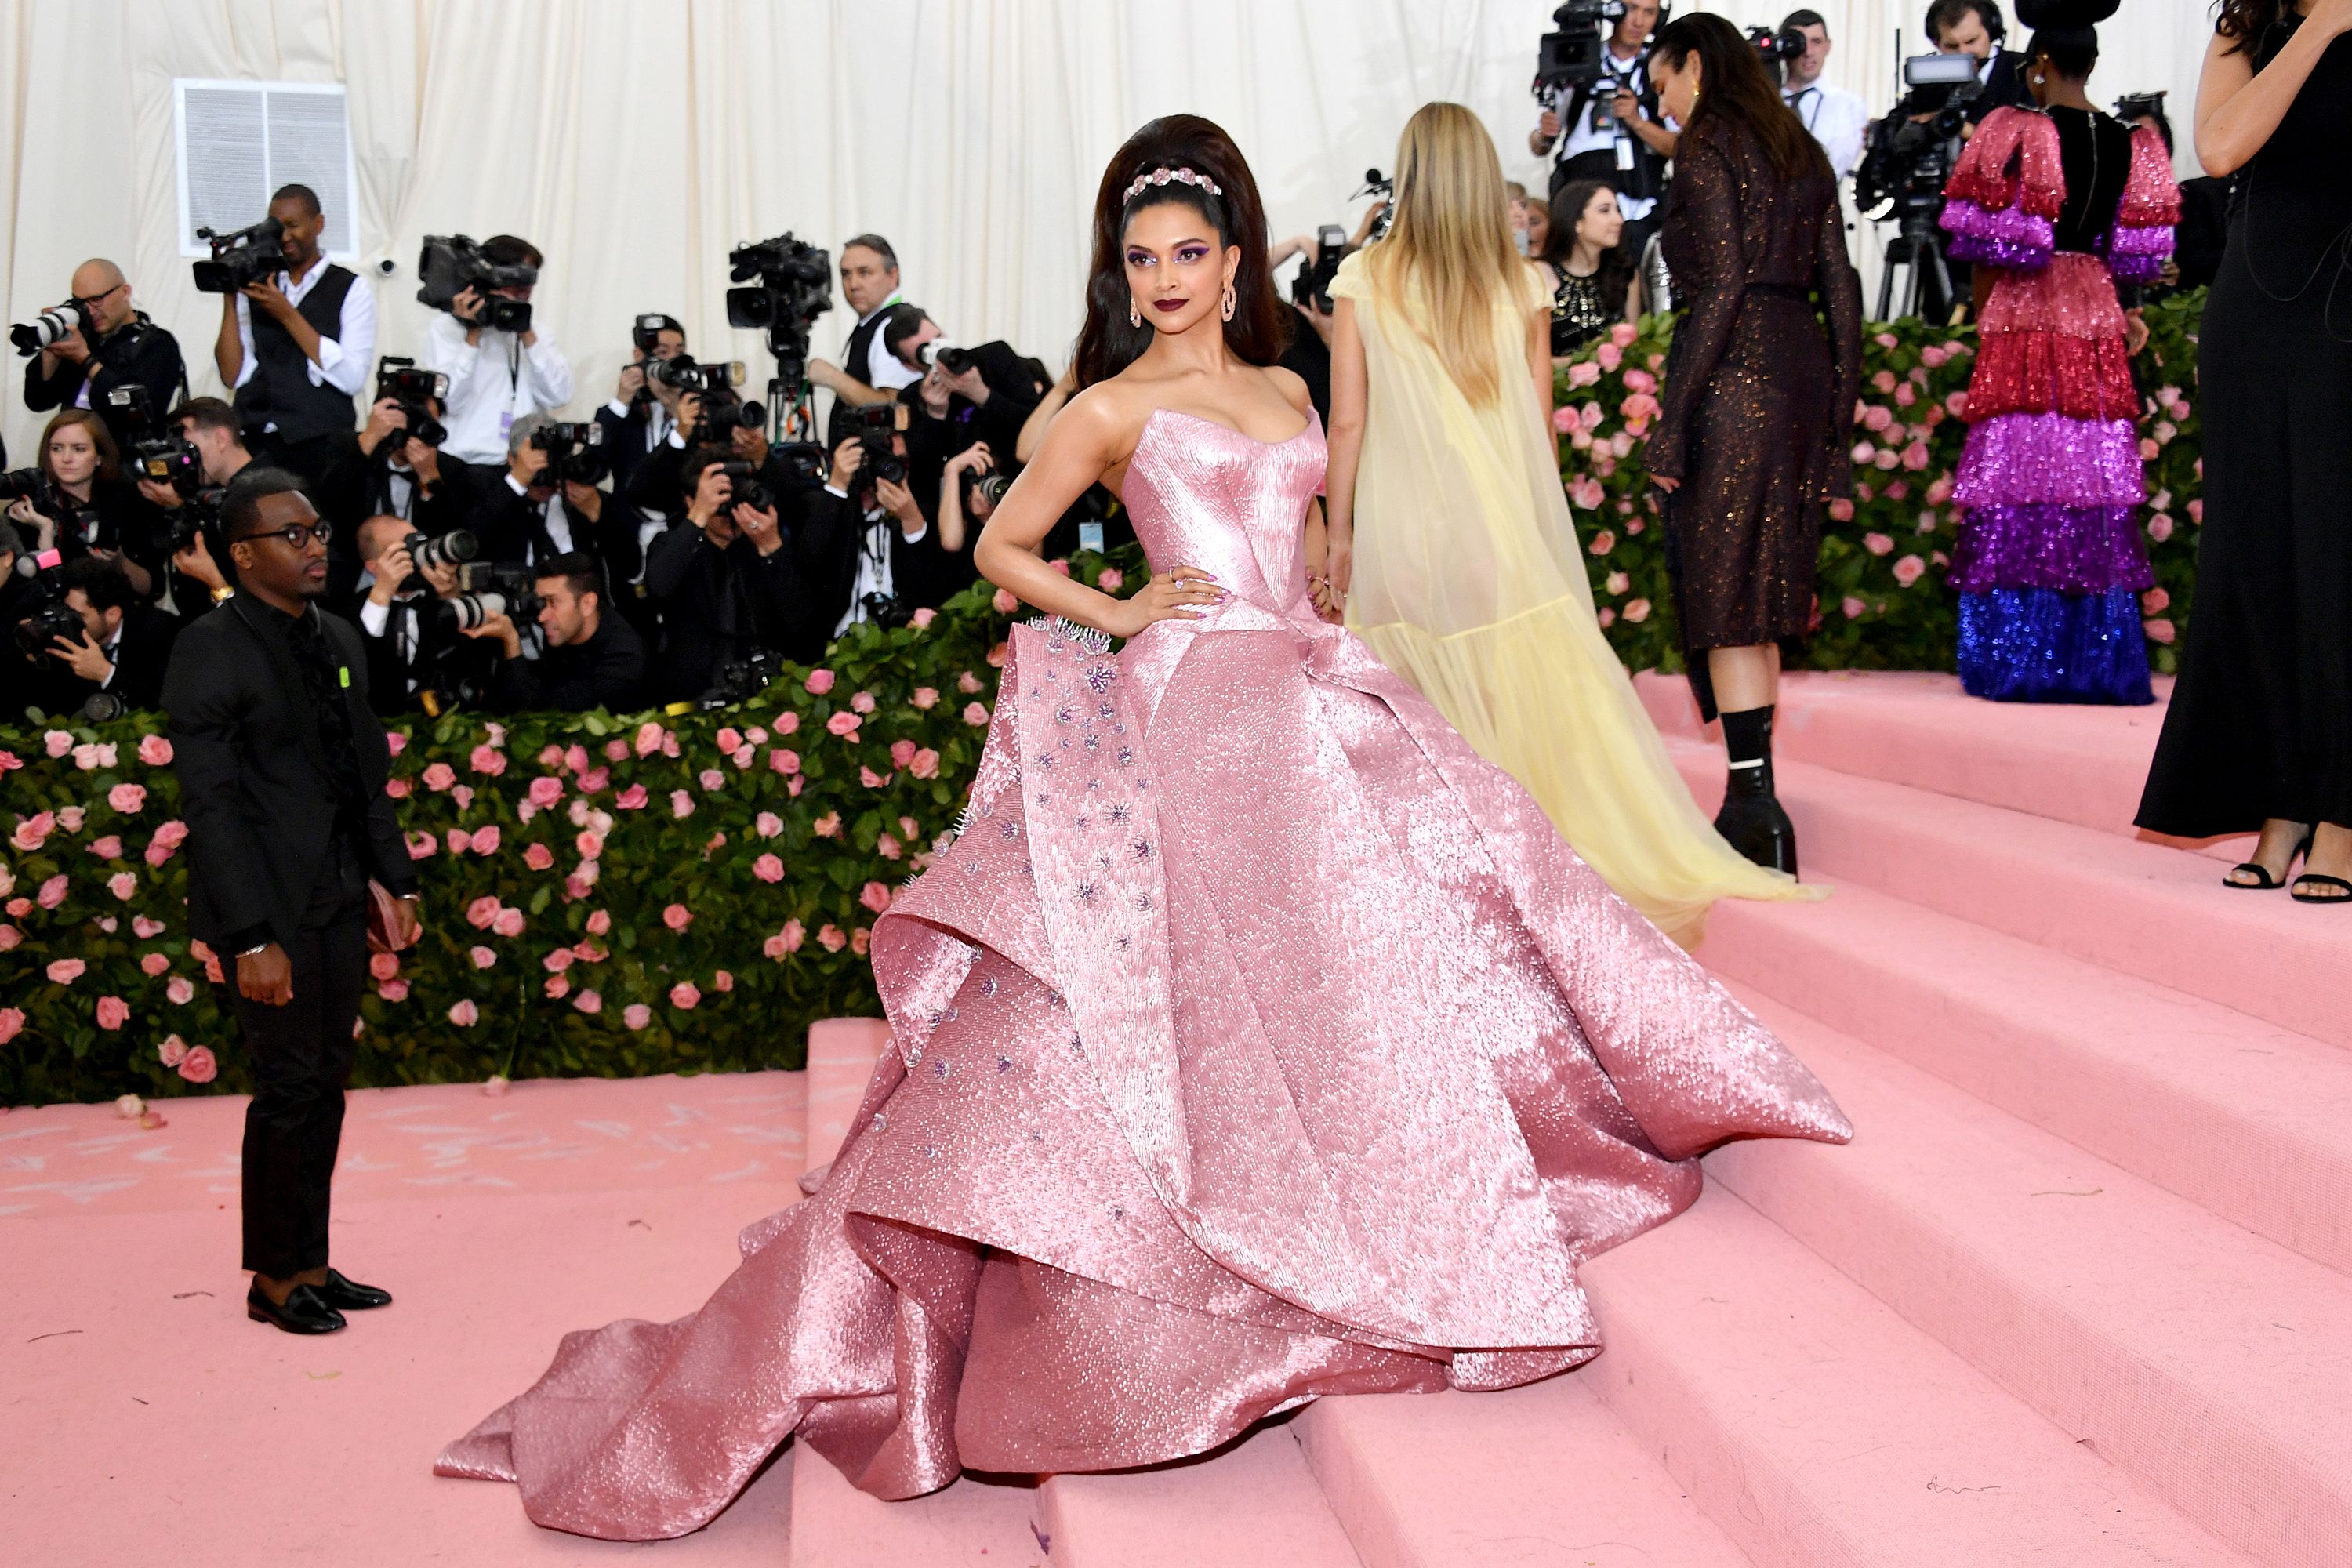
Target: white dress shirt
{"type": "Point", "coordinates": [553, 515]}
{"type": "Point", "coordinates": [376, 618]}
{"type": "Point", "coordinates": [492, 384]}
{"type": "Point", "coordinates": [345, 359]}
{"type": "Point", "coordinates": [1837, 119]}
{"type": "Point", "coordinates": [1583, 137]}
{"type": "Point", "coordinates": [883, 371]}
{"type": "Point", "coordinates": [874, 575]}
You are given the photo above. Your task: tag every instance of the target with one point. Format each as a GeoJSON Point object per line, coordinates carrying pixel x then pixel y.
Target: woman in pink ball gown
{"type": "Point", "coordinates": [1257, 1040]}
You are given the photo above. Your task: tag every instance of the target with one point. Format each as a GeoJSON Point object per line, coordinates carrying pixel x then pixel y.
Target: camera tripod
{"type": "Point", "coordinates": [1919, 248]}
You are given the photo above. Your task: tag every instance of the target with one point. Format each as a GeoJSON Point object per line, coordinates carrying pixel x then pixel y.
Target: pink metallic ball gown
{"type": "Point", "coordinates": [1257, 1040]}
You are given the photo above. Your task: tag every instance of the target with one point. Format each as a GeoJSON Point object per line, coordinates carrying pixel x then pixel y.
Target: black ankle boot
{"type": "Point", "coordinates": [1752, 821]}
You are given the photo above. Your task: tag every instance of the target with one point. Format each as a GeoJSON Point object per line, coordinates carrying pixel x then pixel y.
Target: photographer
{"type": "Point", "coordinates": [194, 580]}
{"type": "Point", "coordinates": [404, 638]}
{"type": "Point", "coordinates": [497, 379]}
{"type": "Point", "coordinates": [1975, 29]}
{"type": "Point", "coordinates": [81, 504]}
{"type": "Point", "coordinates": [868, 551]}
{"type": "Point", "coordinates": [1835, 118]}
{"type": "Point", "coordinates": [727, 580]}
{"type": "Point", "coordinates": [868, 373]}
{"type": "Point", "coordinates": [1610, 130]}
{"type": "Point", "coordinates": [586, 657]}
{"type": "Point", "coordinates": [644, 411]}
{"type": "Point", "coordinates": [548, 503]}
{"type": "Point", "coordinates": [961, 397]}
{"type": "Point", "coordinates": [123, 648]}
{"type": "Point", "coordinates": [298, 349]}
{"type": "Point", "coordinates": [111, 344]}
{"type": "Point", "coordinates": [390, 471]}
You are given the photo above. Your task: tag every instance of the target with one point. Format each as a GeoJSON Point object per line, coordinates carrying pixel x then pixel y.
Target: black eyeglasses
{"type": "Point", "coordinates": [91, 302]}
{"type": "Point", "coordinates": [297, 535]}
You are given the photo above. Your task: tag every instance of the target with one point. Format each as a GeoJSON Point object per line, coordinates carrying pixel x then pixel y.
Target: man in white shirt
{"type": "Point", "coordinates": [868, 372]}
{"type": "Point", "coordinates": [1836, 118]}
{"type": "Point", "coordinates": [1610, 128]}
{"type": "Point", "coordinates": [296, 349]}
{"type": "Point", "coordinates": [495, 377]}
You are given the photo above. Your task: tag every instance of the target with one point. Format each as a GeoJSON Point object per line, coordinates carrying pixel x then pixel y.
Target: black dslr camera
{"type": "Point", "coordinates": [450, 264]}
{"type": "Point", "coordinates": [51, 617]}
{"type": "Point", "coordinates": [724, 409]}
{"type": "Point", "coordinates": [875, 426]}
{"type": "Point", "coordinates": [150, 451]}
{"type": "Point", "coordinates": [416, 391]}
{"type": "Point", "coordinates": [1311, 290]}
{"type": "Point", "coordinates": [251, 255]}
{"type": "Point", "coordinates": [741, 679]}
{"type": "Point", "coordinates": [576, 453]}
{"type": "Point", "coordinates": [44, 329]}
{"type": "Point", "coordinates": [745, 488]}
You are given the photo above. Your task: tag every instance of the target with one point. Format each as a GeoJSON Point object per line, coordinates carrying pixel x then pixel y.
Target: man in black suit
{"type": "Point", "coordinates": [410, 643]}
{"type": "Point", "coordinates": [948, 410]}
{"type": "Point", "coordinates": [125, 646]}
{"type": "Point", "coordinates": [281, 767]}
{"type": "Point", "coordinates": [586, 657]}
{"type": "Point", "coordinates": [115, 345]}
{"type": "Point", "coordinates": [864, 542]}
{"type": "Point", "coordinates": [729, 583]}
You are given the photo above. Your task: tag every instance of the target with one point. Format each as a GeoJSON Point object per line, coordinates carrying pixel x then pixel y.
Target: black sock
{"type": "Point", "coordinates": [1748, 743]}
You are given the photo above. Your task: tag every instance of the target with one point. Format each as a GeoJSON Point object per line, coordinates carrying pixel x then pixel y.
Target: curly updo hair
{"type": "Point", "coordinates": [1107, 344]}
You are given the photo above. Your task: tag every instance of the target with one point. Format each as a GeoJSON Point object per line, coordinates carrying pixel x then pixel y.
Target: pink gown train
{"type": "Point", "coordinates": [1257, 1040]}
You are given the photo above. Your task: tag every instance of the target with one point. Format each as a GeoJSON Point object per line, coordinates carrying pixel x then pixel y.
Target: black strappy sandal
{"type": "Point", "coordinates": [2269, 884]}
{"type": "Point", "coordinates": [2300, 897]}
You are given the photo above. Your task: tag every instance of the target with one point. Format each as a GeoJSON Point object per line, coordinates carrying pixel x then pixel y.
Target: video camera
{"type": "Point", "coordinates": [252, 254]}
{"type": "Point", "coordinates": [415, 390]}
{"type": "Point", "coordinates": [451, 264]}
{"type": "Point", "coordinates": [45, 329]}
{"type": "Point", "coordinates": [495, 589]}
{"type": "Point", "coordinates": [1909, 164]}
{"type": "Point", "coordinates": [576, 453]}
{"type": "Point", "coordinates": [794, 288]}
{"type": "Point", "coordinates": [1776, 48]}
{"type": "Point", "coordinates": [741, 679]}
{"type": "Point", "coordinates": [1569, 57]}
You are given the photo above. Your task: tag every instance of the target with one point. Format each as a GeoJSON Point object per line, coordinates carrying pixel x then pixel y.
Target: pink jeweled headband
{"type": "Point", "coordinates": [1182, 176]}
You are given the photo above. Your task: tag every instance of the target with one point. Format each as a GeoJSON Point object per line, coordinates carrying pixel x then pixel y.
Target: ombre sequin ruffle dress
{"type": "Point", "coordinates": [1255, 1041]}
{"type": "Point", "coordinates": [2048, 564]}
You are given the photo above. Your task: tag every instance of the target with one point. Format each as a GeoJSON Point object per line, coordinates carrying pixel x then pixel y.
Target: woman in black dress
{"type": "Point", "coordinates": [1587, 264]}
{"type": "Point", "coordinates": [1760, 395]}
{"type": "Point", "coordinates": [2259, 734]}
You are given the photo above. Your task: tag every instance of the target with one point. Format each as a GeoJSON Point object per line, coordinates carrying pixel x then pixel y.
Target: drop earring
{"type": "Point", "coordinates": [1229, 301]}
{"type": "Point", "coordinates": [1134, 312]}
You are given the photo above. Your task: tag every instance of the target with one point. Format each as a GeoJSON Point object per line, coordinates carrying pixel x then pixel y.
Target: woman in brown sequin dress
{"type": "Point", "coordinates": [1759, 395]}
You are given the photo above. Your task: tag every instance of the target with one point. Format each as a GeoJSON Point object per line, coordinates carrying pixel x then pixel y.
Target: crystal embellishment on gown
{"type": "Point", "coordinates": [1340, 1068]}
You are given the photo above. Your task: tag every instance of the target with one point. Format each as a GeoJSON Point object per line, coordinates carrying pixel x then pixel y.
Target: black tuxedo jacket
{"type": "Point", "coordinates": [830, 534]}
{"type": "Point", "coordinates": [607, 671]}
{"type": "Point", "coordinates": [1012, 394]}
{"type": "Point", "coordinates": [513, 529]}
{"type": "Point", "coordinates": [254, 785]}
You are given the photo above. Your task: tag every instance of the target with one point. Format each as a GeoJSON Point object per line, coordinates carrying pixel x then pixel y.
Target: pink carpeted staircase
{"type": "Point", "coordinates": [2077, 1294]}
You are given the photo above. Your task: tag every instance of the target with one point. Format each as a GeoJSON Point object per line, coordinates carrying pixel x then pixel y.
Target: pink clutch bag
{"type": "Point", "coordinates": [383, 920]}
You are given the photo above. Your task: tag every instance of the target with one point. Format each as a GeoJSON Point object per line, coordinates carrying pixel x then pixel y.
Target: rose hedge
{"type": "Point", "coordinates": [1883, 603]}
{"type": "Point", "coordinates": [602, 896]}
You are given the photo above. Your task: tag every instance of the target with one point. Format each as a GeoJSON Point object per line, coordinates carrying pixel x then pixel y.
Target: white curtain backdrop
{"type": "Point", "coordinates": [636, 141]}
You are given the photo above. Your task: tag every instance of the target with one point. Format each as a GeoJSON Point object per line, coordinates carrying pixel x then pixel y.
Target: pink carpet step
{"type": "Point", "coordinates": [970, 1524]}
{"type": "Point", "coordinates": [1815, 1426]}
{"type": "Point", "coordinates": [2139, 908]}
{"type": "Point", "coordinates": [2207, 1361]}
{"type": "Point", "coordinates": [2239, 1116]}
{"type": "Point", "coordinates": [1253, 1503]}
{"type": "Point", "coordinates": [2084, 765]}
{"type": "Point", "coordinates": [1528, 1478]}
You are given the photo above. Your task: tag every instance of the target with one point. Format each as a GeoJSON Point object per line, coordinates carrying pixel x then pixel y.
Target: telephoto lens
{"type": "Point", "coordinates": [454, 548]}
{"type": "Point", "coordinates": [992, 489]}
{"type": "Point", "coordinates": [467, 611]}
{"type": "Point", "coordinates": [46, 329]}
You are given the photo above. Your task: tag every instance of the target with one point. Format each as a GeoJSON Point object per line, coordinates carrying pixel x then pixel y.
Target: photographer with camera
{"type": "Point", "coordinates": [727, 579]}
{"type": "Point", "coordinates": [865, 545]}
{"type": "Point", "coordinates": [1837, 119]}
{"type": "Point", "coordinates": [586, 658]}
{"type": "Point", "coordinates": [962, 395]}
{"type": "Point", "coordinates": [548, 502]}
{"type": "Point", "coordinates": [296, 346]}
{"type": "Point", "coordinates": [644, 408]}
{"type": "Point", "coordinates": [397, 466]}
{"type": "Point", "coordinates": [502, 366]}
{"type": "Point", "coordinates": [211, 431]}
{"type": "Point", "coordinates": [97, 340]}
{"type": "Point", "coordinates": [121, 645]}
{"type": "Point", "coordinates": [1610, 128]}
{"type": "Point", "coordinates": [868, 372]}
{"type": "Point", "coordinates": [77, 501]}
{"type": "Point", "coordinates": [397, 598]}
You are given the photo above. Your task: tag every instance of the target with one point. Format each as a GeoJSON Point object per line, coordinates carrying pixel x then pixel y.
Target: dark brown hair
{"type": "Point", "coordinates": [1107, 344]}
{"type": "Point", "coordinates": [1617, 263]}
{"type": "Point", "coordinates": [110, 456]}
{"type": "Point", "coordinates": [2243, 22]}
{"type": "Point", "coordinates": [1734, 85]}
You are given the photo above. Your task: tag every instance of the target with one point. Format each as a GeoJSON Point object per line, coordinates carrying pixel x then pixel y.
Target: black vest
{"type": "Point", "coordinates": [280, 391]}
{"type": "Point", "coordinates": [855, 359]}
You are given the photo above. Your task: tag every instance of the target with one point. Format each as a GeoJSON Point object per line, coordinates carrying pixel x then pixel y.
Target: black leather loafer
{"type": "Point", "coordinates": [345, 1296]}
{"type": "Point", "coordinates": [302, 1313]}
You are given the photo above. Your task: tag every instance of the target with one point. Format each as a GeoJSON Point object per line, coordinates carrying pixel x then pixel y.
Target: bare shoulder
{"type": "Point", "coordinates": [1291, 384]}
{"type": "Point", "coordinates": [1107, 416]}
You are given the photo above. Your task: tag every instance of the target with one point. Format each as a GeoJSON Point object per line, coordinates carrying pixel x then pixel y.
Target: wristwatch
{"type": "Point", "coordinates": [258, 947]}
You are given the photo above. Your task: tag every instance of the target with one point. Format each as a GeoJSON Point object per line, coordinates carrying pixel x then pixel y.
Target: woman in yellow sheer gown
{"type": "Point", "coordinates": [1451, 544]}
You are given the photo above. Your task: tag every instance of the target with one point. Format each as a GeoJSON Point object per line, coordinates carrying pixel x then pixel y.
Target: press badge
{"type": "Point", "coordinates": [1090, 537]}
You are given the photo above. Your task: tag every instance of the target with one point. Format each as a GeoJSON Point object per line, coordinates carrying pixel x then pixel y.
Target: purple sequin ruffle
{"type": "Point", "coordinates": [2013, 254]}
{"type": "Point", "coordinates": [2008, 226]}
{"type": "Point", "coordinates": [2075, 549]}
{"type": "Point", "coordinates": [2050, 460]}
{"type": "Point", "coordinates": [2132, 240]}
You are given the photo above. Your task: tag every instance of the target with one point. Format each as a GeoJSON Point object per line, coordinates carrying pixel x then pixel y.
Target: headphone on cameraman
{"type": "Point", "coordinates": [1989, 11]}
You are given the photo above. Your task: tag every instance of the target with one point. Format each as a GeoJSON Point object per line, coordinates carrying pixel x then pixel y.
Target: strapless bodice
{"type": "Point", "coordinates": [1203, 495]}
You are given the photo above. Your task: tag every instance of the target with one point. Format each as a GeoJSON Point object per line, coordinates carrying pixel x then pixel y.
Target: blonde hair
{"type": "Point", "coordinates": [1448, 261]}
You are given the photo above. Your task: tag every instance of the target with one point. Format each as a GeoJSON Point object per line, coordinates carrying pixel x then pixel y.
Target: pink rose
{"type": "Point", "coordinates": [871, 779]}
{"type": "Point", "coordinates": [172, 1050]}
{"type": "Point", "coordinates": [486, 839]}
{"type": "Point", "coordinates": [843, 723]}
{"type": "Point", "coordinates": [199, 1067]}
{"type": "Point", "coordinates": [2158, 631]}
{"type": "Point", "coordinates": [20, 908]}
{"type": "Point", "coordinates": [1617, 582]}
{"type": "Point", "coordinates": [487, 759]}
{"type": "Point", "coordinates": [711, 780]}
{"type": "Point", "coordinates": [729, 737]}
{"type": "Point", "coordinates": [392, 990]}
{"type": "Point", "coordinates": [1111, 580]}
{"type": "Point", "coordinates": [589, 953]}
{"type": "Point", "coordinates": [465, 1015]}
{"type": "Point", "coordinates": [397, 788]}
{"type": "Point", "coordinates": [819, 682]}
{"type": "Point", "coordinates": [383, 965]}
{"type": "Point", "coordinates": [830, 938]}
{"type": "Point", "coordinates": [599, 922]}
{"type": "Point", "coordinates": [926, 696]}
{"type": "Point", "coordinates": [902, 751]}
{"type": "Point", "coordinates": [482, 912]}
{"type": "Point", "coordinates": [681, 805]}
{"type": "Point", "coordinates": [589, 844]}
{"type": "Point", "coordinates": [785, 761]}
{"type": "Point", "coordinates": [53, 892]}
{"type": "Point", "coordinates": [860, 939]}
{"type": "Point", "coordinates": [922, 618]}
{"type": "Point", "coordinates": [1641, 408]}
{"type": "Point", "coordinates": [1602, 543]}
{"type": "Point", "coordinates": [127, 797]}
{"type": "Point", "coordinates": [509, 922]}
{"type": "Point", "coordinates": [1582, 373]}
{"type": "Point", "coordinates": [559, 960]}
{"type": "Point", "coordinates": [69, 819]}
{"type": "Point", "coordinates": [649, 738]}
{"type": "Point", "coordinates": [546, 790]}
{"type": "Point", "coordinates": [1623, 333]}
{"type": "Point", "coordinates": [107, 848]}
{"type": "Point", "coordinates": [1908, 569]}
{"type": "Point", "coordinates": [968, 683]}
{"type": "Point", "coordinates": [722, 981]}
{"type": "Point", "coordinates": [551, 756]}
{"type": "Point", "coordinates": [637, 1014]}
{"type": "Point", "coordinates": [1877, 544]}
{"type": "Point", "coordinates": [684, 997]}
{"type": "Point", "coordinates": [1876, 418]}
{"type": "Point", "coordinates": [538, 857]}
{"type": "Point", "coordinates": [1641, 381]}
{"type": "Point", "coordinates": [152, 966]}
{"type": "Point", "coordinates": [788, 723]}
{"type": "Point", "coordinates": [2196, 511]}
{"type": "Point", "coordinates": [1609, 355]}
{"type": "Point", "coordinates": [875, 896]}
{"type": "Point", "coordinates": [743, 754]}
{"type": "Point", "coordinates": [91, 757]}
{"type": "Point", "coordinates": [593, 781]}
{"type": "Point", "coordinates": [179, 990]}
{"type": "Point", "coordinates": [924, 763]}
{"type": "Point", "coordinates": [2159, 527]}
{"type": "Point", "coordinates": [12, 1024]}
{"type": "Point", "coordinates": [590, 1003]}
{"type": "Point", "coordinates": [862, 702]}
{"type": "Point", "coordinates": [1957, 406]}
{"type": "Point", "coordinates": [156, 751]}
{"type": "Point", "coordinates": [793, 786]}
{"type": "Point", "coordinates": [10, 938]}
{"type": "Point", "coordinates": [677, 917]}
{"type": "Point", "coordinates": [464, 796]}
{"type": "Point", "coordinates": [1004, 602]}
{"type": "Point", "coordinates": [2154, 601]}
{"type": "Point", "coordinates": [768, 868]}
{"type": "Point", "coordinates": [975, 715]}
{"type": "Point", "coordinates": [827, 827]}
{"type": "Point", "coordinates": [57, 743]}
{"type": "Point", "coordinates": [146, 928]}
{"type": "Point", "coordinates": [631, 799]}
{"type": "Point", "coordinates": [33, 831]}
{"type": "Point", "coordinates": [889, 848]}
{"type": "Point", "coordinates": [1852, 607]}
{"type": "Point", "coordinates": [460, 841]}
{"type": "Point", "coordinates": [616, 750]}
{"type": "Point", "coordinates": [113, 1012]}
{"type": "Point", "coordinates": [1586, 493]}
{"type": "Point", "coordinates": [1637, 610]}
{"type": "Point", "coordinates": [767, 825]}
{"type": "Point", "coordinates": [1840, 510]}
{"type": "Point", "coordinates": [484, 957]}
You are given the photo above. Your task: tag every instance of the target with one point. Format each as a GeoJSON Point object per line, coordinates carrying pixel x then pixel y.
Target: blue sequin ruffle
{"type": "Point", "coordinates": [2037, 644]}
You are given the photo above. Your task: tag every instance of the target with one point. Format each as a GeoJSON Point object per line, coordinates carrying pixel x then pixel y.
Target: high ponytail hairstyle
{"type": "Point", "coordinates": [1107, 344]}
